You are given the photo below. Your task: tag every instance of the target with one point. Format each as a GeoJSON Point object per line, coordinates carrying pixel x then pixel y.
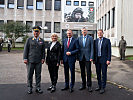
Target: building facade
{"type": "Point", "coordinates": [50, 13]}
{"type": "Point", "coordinates": [115, 18]}
{"type": "Point", "coordinates": [33, 12]}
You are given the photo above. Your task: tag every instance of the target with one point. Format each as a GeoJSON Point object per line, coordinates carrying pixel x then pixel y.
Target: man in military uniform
{"type": "Point", "coordinates": [122, 48]}
{"type": "Point", "coordinates": [34, 55]}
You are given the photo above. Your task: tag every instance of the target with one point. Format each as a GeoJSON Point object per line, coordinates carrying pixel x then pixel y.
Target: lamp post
{"type": "Point", "coordinates": [44, 28]}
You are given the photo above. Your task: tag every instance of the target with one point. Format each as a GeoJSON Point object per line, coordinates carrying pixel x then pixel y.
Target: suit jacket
{"type": "Point", "coordinates": [34, 51]}
{"type": "Point", "coordinates": [54, 54]}
{"type": "Point", "coordinates": [86, 51]}
{"type": "Point", "coordinates": [105, 50]}
{"type": "Point", "coordinates": [73, 48]}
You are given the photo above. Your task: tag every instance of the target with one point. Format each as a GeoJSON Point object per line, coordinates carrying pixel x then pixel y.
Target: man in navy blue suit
{"type": "Point", "coordinates": [69, 52]}
{"type": "Point", "coordinates": [85, 56]}
{"type": "Point", "coordinates": [102, 58]}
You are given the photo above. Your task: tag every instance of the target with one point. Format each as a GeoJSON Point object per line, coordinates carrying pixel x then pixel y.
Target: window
{"type": "Point", "coordinates": [76, 3]}
{"type": "Point", "coordinates": [48, 4]}
{"type": "Point", "coordinates": [68, 3]}
{"type": "Point", "coordinates": [39, 4]}
{"type": "Point", "coordinates": [83, 3]}
{"type": "Point", "coordinates": [48, 24]}
{"type": "Point", "coordinates": [10, 4]}
{"type": "Point", "coordinates": [38, 23]}
{"type": "Point", "coordinates": [57, 27]}
{"type": "Point", "coordinates": [102, 23]}
{"type": "Point", "coordinates": [29, 4]}
{"type": "Point", "coordinates": [10, 21]}
{"type": "Point", "coordinates": [2, 5]}
{"type": "Point", "coordinates": [1, 24]}
{"type": "Point", "coordinates": [113, 17]}
{"type": "Point", "coordinates": [91, 3]}
{"type": "Point", "coordinates": [108, 20]}
{"type": "Point", "coordinates": [20, 4]}
{"type": "Point", "coordinates": [57, 5]}
{"type": "Point", "coordinates": [105, 22]}
{"type": "Point", "coordinates": [29, 26]}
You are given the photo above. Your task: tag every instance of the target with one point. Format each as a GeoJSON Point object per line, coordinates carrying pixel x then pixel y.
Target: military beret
{"type": "Point", "coordinates": [35, 28]}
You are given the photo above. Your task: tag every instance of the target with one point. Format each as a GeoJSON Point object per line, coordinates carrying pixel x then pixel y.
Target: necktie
{"type": "Point", "coordinates": [99, 47]}
{"type": "Point", "coordinates": [84, 41]}
{"type": "Point", "coordinates": [68, 43]}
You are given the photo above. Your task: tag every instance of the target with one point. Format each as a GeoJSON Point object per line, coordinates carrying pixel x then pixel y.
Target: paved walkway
{"type": "Point", "coordinates": [13, 82]}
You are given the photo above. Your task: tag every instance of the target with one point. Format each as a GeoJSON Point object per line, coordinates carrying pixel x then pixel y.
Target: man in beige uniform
{"type": "Point", "coordinates": [122, 48]}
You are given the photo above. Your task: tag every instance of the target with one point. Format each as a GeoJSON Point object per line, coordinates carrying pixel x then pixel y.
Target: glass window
{"type": "Point", "coordinates": [48, 4]}
{"type": "Point", "coordinates": [48, 24]}
{"type": "Point", "coordinates": [57, 27]}
{"type": "Point", "coordinates": [57, 5]}
{"type": "Point", "coordinates": [113, 17]}
{"type": "Point", "coordinates": [108, 20]}
{"type": "Point", "coordinates": [10, 4]}
{"type": "Point", "coordinates": [76, 3]}
{"type": "Point", "coordinates": [2, 5]}
{"type": "Point", "coordinates": [1, 24]}
{"type": "Point", "coordinates": [83, 3]}
{"type": "Point", "coordinates": [39, 4]}
{"type": "Point", "coordinates": [68, 2]}
{"type": "Point", "coordinates": [105, 17]}
{"type": "Point", "coordinates": [29, 25]}
{"type": "Point", "coordinates": [91, 3]}
{"type": "Point", "coordinates": [20, 4]}
{"type": "Point", "coordinates": [29, 4]}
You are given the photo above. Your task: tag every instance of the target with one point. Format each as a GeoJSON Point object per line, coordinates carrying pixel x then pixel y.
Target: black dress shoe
{"type": "Point", "coordinates": [65, 88]}
{"type": "Point", "coordinates": [71, 90]}
{"type": "Point", "coordinates": [53, 89]}
{"type": "Point", "coordinates": [98, 89]}
{"type": "Point", "coordinates": [39, 91]}
{"type": "Point", "coordinates": [89, 89]}
{"type": "Point", "coordinates": [102, 91]}
{"type": "Point", "coordinates": [50, 87]}
{"type": "Point", "coordinates": [29, 91]}
{"type": "Point", "coordinates": [82, 88]}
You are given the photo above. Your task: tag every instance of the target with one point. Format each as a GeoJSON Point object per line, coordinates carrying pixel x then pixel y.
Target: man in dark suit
{"type": "Point", "coordinates": [34, 55]}
{"type": "Point", "coordinates": [85, 57]}
{"type": "Point", "coordinates": [102, 58]}
{"type": "Point", "coordinates": [69, 52]}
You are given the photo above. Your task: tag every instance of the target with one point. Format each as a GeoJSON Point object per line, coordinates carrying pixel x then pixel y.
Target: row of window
{"type": "Point", "coordinates": [39, 4]}
{"type": "Point", "coordinates": [104, 23]}
{"type": "Point", "coordinates": [38, 23]}
{"type": "Point", "coordinates": [76, 3]}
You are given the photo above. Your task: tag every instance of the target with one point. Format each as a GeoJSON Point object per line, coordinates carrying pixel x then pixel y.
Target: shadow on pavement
{"type": "Point", "coordinates": [19, 92]}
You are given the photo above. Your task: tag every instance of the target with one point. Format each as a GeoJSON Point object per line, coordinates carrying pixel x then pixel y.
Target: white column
{"type": "Point", "coordinates": [25, 6]}
{"type": "Point", "coordinates": [34, 12]}
{"type": "Point", "coordinates": [52, 20]}
{"type": "Point", "coordinates": [15, 9]}
{"type": "Point", "coordinates": [5, 11]}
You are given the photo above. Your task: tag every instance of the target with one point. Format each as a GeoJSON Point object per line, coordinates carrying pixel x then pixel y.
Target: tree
{"type": "Point", "coordinates": [15, 30]}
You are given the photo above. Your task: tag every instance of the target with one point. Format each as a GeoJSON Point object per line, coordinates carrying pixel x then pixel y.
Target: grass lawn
{"type": "Point", "coordinates": [17, 48]}
{"type": "Point", "coordinates": [129, 58]}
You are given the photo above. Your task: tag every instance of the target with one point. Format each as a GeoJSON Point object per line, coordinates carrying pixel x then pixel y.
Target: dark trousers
{"type": "Point", "coordinates": [9, 47]}
{"type": "Point", "coordinates": [101, 70]}
{"type": "Point", "coordinates": [122, 54]}
{"type": "Point", "coordinates": [53, 71]}
{"type": "Point", "coordinates": [85, 64]}
{"type": "Point", "coordinates": [30, 71]}
{"type": "Point", "coordinates": [69, 65]}
{"type": "Point", "coordinates": [0, 47]}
